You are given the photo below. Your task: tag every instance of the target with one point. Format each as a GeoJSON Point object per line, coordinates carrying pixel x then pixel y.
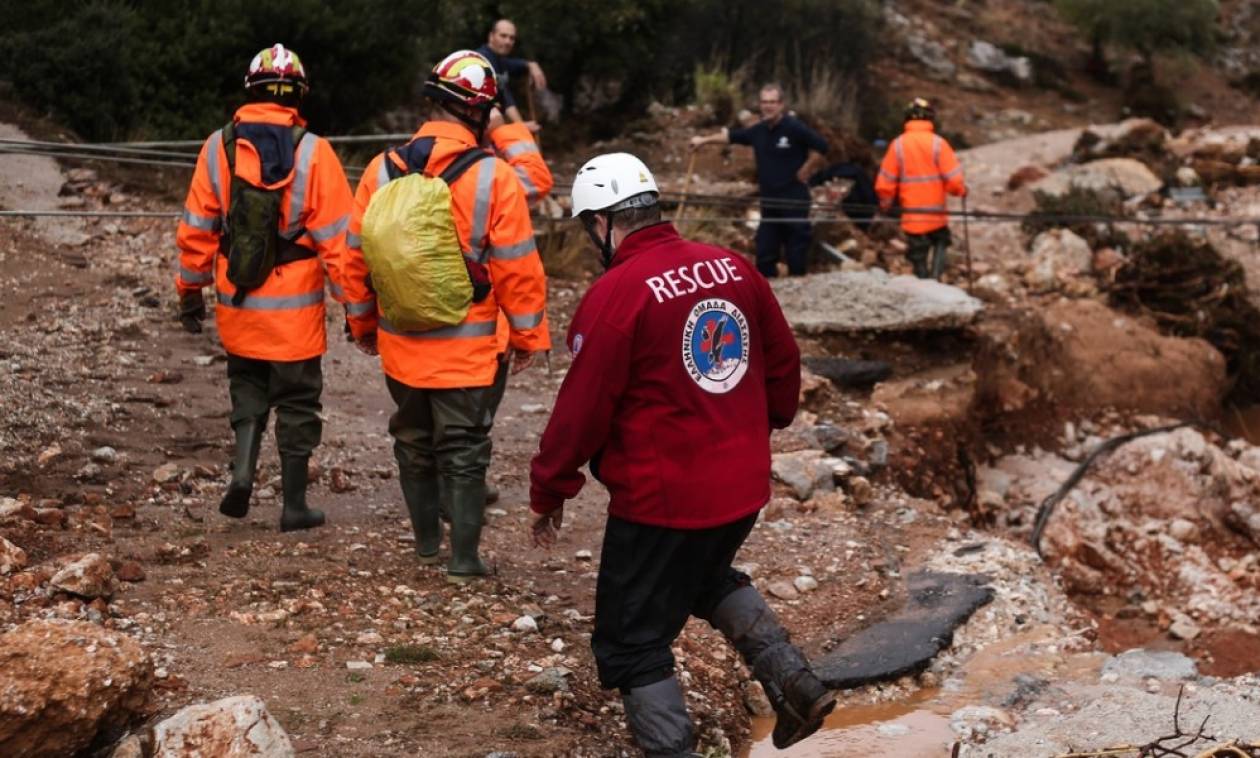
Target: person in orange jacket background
{"type": "Point", "coordinates": [273, 333]}
{"type": "Point", "coordinates": [443, 380]}
{"type": "Point", "coordinates": [919, 169]}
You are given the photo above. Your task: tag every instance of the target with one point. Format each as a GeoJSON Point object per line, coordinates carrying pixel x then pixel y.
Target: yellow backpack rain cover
{"type": "Point", "coordinates": [412, 250]}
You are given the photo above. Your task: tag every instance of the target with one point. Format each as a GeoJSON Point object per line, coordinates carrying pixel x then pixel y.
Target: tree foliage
{"type": "Point", "coordinates": [1147, 26]}
{"type": "Point", "coordinates": [118, 69]}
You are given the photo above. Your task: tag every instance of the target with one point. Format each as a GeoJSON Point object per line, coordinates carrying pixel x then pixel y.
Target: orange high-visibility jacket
{"type": "Point", "coordinates": [282, 320]}
{"type": "Point", "coordinates": [515, 144]}
{"type": "Point", "coordinates": [492, 218]}
{"type": "Point", "coordinates": [918, 169]}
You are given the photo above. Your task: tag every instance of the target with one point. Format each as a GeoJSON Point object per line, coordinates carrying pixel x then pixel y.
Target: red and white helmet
{"type": "Point", "coordinates": [464, 77]}
{"type": "Point", "coordinates": [276, 65]}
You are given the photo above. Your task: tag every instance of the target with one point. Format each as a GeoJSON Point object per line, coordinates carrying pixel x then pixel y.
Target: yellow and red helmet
{"type": "Point", "coordinates": [276, 68]}
{"type": "Point", "coordinates": [464, 77]}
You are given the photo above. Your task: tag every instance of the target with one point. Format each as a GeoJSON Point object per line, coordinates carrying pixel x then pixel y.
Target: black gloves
{"type": "Point", "coordinates": [192, 311]}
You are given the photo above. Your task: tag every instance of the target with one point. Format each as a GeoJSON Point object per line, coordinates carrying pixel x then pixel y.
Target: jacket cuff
{"type": "Point", "coordinates": [543, 503]}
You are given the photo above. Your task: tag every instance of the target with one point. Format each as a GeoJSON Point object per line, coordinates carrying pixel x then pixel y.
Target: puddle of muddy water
{"type": "Point", "coordinates": [919, 725]}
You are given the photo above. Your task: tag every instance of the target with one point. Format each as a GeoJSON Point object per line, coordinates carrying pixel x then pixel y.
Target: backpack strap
{"type": "Point", "coordinates": [229, 147]}
{"type": "Point", "coordinates": [414, 155]}
{"type": "Point", "coordinates": [462, 163]}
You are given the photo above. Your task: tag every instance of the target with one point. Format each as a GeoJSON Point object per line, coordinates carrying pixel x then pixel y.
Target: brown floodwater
{"type": "Point", "coordinates": [918, 726]}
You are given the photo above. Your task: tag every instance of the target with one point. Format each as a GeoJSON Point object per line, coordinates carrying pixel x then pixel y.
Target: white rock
{"type": "Point", "coordinates": [358, 665]}
{"type": "Point", "coordinates": [370, 638]}
{"type": "Point", "coordinates": [525, 624]}
{"type": "Point", "coordinates": [582, 555]}
{"type": "Point", "coordinates": [805, 583]}
{"type": "Point", "coordinates": [235, 727]}
{"type": "Point", "coordinates": [557, 645]}
{"type": "Point", "coordinates": [533, 408]}
{"type": "Point", "coordinates": [105, 455]}
{"type": "Point", "coordinates": [12, 557]}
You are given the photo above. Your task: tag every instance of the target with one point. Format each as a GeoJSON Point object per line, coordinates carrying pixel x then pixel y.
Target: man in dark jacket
{"type": "Point", "coordinates": [787, 152]}
{"type": "Point", "coordinates": [682, 364]}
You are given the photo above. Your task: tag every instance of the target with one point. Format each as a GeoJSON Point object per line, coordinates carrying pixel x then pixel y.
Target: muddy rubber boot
{"type": "Point", "coordinates": [235, 502]}
{"type": "Point", "coordinates": [467, 502]}
{"type": "Point", "coordinates": [800, 700]}
{"type": "Point", "coordinates": [421, 497]}
{"type": "Point", "coordinates": [657, 716]}
{"type": "Point", "coordinates": [296, 514]}
{"type": "Point", "coordinates": [940, 253]}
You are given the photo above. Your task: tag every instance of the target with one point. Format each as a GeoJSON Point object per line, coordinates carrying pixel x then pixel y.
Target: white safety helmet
{"type": "Point", "coordinates": [613, 182]}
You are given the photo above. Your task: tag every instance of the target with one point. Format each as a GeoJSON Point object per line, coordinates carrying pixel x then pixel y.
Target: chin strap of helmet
{"type": "Point", "coordinates": [604, 245]}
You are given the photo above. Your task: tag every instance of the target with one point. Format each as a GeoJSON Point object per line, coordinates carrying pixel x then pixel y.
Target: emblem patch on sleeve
{"type": "Point", "coordinates": [715, 345]}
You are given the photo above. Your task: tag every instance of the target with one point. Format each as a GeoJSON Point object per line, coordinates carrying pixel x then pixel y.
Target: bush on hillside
{"type": "Point", "coordinates": [1146, 26]}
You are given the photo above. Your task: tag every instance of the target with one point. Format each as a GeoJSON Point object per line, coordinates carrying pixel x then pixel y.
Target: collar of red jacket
{"type": "Point", "coordinates": [920, 125]}
{"type": "Point", "coordinates": [268, 113]}
{"type": "Point", "coordinates": [645, 239]}
{"type": "Point", "coordinates": [447, 130]}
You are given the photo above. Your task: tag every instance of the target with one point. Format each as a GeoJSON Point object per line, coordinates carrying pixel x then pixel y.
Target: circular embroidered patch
{"type": "Point", "coordinates": [715, 345]}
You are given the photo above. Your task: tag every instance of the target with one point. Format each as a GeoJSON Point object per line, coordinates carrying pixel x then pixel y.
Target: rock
{"type": "Point", "coordinates": [1183, 627]}
{"type": "Point", "coordinates": [847, 373]}
{"type": "Point", "coordinates": [1057, 255]}
{"type": "Point", "coordinates": [370, 638]}
{"type": "Point", "coordinates": [1134, 138]}
{"type": "Point", "coordinates": [548, 681]}
{"type": "Point", "coordinates": [234, 727]}
{"type": "Point", "coordinates": [861, 490]}
{"type": "Point", "coordinates": [1121, 177]}
{"type": "Point", "coordinates": [48, 455]}
{"type": "Point", "coordinates": [1183, 530]}
{"type": "Point", "coordinates": [972, 720]}
{"type": "Point", "coordinates": [105, 455]}
{"type": "Point", "coordinates": [932, 55]}
{"type": "Point", "coordinates": [130, 571]}
{"type": "Point", "coordinates": [89, 577]}
{"type": "Point", "coordinates": [12, 557]}
{"type": "Point", "coordinates": [805, 471]}
{"type": "Point", "coordinates": [805, 584]}
{"type": "Point", "coordinates": [533, 408]}
{"type": "Point", "coordinates": [831, 438]}
{"type": "Point", "coordinates": [306, 644]}
{"type": "Point", "coordinates": [129, 747]}
{"type": "Point", "coordinates": [583, 555]}
{"type": "Point", "coordinates": [1188, 177]}
{"type": "Point", "coordinates": [65, 683]}
{"type": "Point", "coordinates": [783, 590]}
{"type": "Point", "coordinates": [992, 288]}
{"type": "Point", "coordinates": [525, 624]}
{"type": "Point", "coordinates": [985, 56]}
{"type": "Point", "coordinates": [1164, 665]}
{"type": "Point", "coordinates": [755, 699]}
{"type": "Point", "coordinates": [872, 301]}
{"type": "Point", "coordinates": [358, 665]}
{"type": "Point", "coordinates": [167, 472]}
{"type": "Point", "coordinates": [1107, 259]}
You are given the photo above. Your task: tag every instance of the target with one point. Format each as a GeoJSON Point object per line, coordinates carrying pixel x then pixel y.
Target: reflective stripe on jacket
{"type": "Point", "coordinates": [282, 320]}
{"type": "Point", "coordinates": [918, 170]}
{"type": "Point", "coordinates": [492, 219]}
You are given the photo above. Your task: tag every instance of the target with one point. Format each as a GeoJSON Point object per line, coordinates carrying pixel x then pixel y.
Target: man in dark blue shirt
{"type": "Point", "coordinates": [499, 44]}
{"type": "Point", "coordinates": [787, 152]}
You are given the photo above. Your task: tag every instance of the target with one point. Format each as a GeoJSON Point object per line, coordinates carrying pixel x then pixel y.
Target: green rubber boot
{"type": "Point", "coordinates": [421, 496]}
{"type": "Point", "coordinates": [293, 478]}
{"type": "Point", "coordinates": [467, 503]}
{"type": "Point", "coordinates": [235, 502]}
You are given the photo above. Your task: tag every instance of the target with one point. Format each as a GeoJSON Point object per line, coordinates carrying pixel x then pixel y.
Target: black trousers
{"type": "Point", "coordinates": [651, 580]}
{"type": "Point", "coordinates": [774, 235]}
{"type": "Point", "coordinates": [291, 387]}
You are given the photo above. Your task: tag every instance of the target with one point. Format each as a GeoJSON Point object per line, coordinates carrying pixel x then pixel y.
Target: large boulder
{"type": "Point", "coordinates": [234, 727]}
{"type": "Point", "coordinates": [985, 56]}
{"type": "Point", "coordinates": [1120, 177]}
{"type": "Point", "coordinates": [872, 301]}
{"type": "Point", "coordinates": [67, 685]}
{"type": "Point", "coordinates": [1081, 355]}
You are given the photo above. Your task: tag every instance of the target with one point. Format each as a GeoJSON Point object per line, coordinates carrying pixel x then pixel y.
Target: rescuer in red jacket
{"type": "Point", "coordinates": [682, 363]}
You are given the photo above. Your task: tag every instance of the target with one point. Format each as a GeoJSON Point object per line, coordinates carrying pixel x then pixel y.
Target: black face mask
{"type": "Point", "coordinates": [604, 245]}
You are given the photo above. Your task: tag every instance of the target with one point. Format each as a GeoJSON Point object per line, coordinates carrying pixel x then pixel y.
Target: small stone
{"type": "Point", "coordinates": [278, 665]}
{"type": "Point", "coordinates": [307, 643]}
{"type": "Point", "coordinates": [525, 624]}
{"type": "Point", "coordinates": [548, 681]}
{"type": "Point", "coordinates": [1183, 530]}
{"type": "Point", "coordinates": [12, 557]}
{"type": "Point", "coordinates": [783, 590]}
{"type": "Point", "coordinates": [582, 555]}
{"type": "Point", "coordinates": [370, 638]}
{"type": "Point", "coordinates": [893, 730]}
{"type": "Point", "coordinates": [1183, 627]}
{"type": "Point", "coordinates": [805, 583]}
{"type": "Point", "coordinates": [358, 665]}
{"type": "Point", "coordinates": [167, 472]}
{"type": "Point", "coordinates": [105, 455]}
{"type": "Point", "coordinates": [123, 512]}
{"type": "Point", "coordinates": [533, 408]}
{"type": "Point", "coordinates": [557, 645]}
{"type": "Point", "coordinates": [130, 571]}
{"type": "Point", "coordinates": [203, 360]}
{"type": "Point", "coordinates": [49, 454]}
{"type": "Point", "coordinates": [89, 577]}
